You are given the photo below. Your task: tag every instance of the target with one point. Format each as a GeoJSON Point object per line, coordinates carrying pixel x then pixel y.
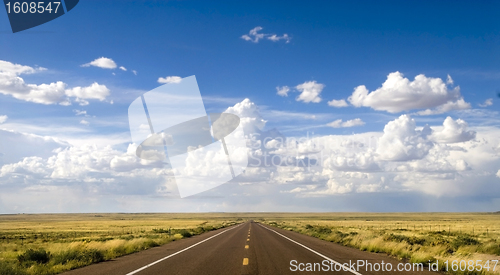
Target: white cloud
{"type": "Point", "coordinates": [134, 71]}
{"type": "Point", "coordinates": [453, 131]}
{"type": "Point", "coordinates": [449, 80]}
{"type": "Point", "coordinates": [169, 79]}
{"type": "Point", "coordinates": [338, 103]}
{"type": "Point", "coordinates": [369, 188]}
{"type": "Point", "coordinates": [401, 142]}
{"type": "Point", "coordinates": [15, 145]}
{"type": "Point", "coordinates": [102, 62]}
{"type": "Point", "coordinates": [333, 187]}
{"type": "Point", "coordinates": [399, 94]}
{"type": "Point", "coordinates": [349, 123]}
{"type": "Point", "coordinates": [81, 102]}
{"type": "Point", "coordinates": [123, 68]}
{"type": "Point", "coordinates": [347, 164]}
{"type": "Point", "coordinates": [53, 93]}
{"type": "Point", "coordinates": [301, 189]}
{"type": "Point", "coordinates": [283, 91]}
{"type": "Point", "coordinates": [84, 122]}
{"type": "Point", "coordinates": [28, 166]}
{"type": "Point", "coordinates": [498, 173]}
{"type": "Point", "coordinates": [80, 163]}
{"type": "Point", "coordinates": [249, 115]}
{"type": "Point", "coordinates": [310, 91]}
{"type": "Point", "coordinates": [11, 84]}
{"type": "Point", "coordinates": [3, 119]}
{"type": "Point", "coordinates": [460, 104]}
{"type": "Point", "coordinates": [487, 102]}
{"type": "Point", "coordinates": [254, 36]}
{"type": "Point", "coordinates": [7, 67]}
{"type": "Point", "coordinates": [276, 38]}
{"type": "Point", "coordinates": [94, 91]}
{"type": "Point", "coordinates": [80, 113]}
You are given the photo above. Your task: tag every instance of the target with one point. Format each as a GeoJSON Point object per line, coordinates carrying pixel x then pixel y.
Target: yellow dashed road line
{"type": "Point", "coordinates": [246, 246]}
{"type": "Point", "coordinates": [245, 261]}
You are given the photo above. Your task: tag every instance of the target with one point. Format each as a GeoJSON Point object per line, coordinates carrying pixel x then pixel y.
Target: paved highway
{"type": "Point", "coordinates": [248, 248]}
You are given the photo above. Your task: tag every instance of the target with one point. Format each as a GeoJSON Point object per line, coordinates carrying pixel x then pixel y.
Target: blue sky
{"type": "Point", "coordinates": [334, 46]}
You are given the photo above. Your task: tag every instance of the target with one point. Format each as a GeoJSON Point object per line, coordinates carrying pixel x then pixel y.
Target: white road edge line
{"type": "Point", "coordinates": [315, 252]}
{"type": "Point", "coordinates": [178, 252]}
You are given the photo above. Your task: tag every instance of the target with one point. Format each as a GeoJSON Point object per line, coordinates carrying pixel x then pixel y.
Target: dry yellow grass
{"type": "Point", "coordinates": [74, 240]}
{"type": "Point", "coordinates": [417, 237]}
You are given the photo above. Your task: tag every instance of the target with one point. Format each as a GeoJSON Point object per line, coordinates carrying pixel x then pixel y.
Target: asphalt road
{"type": "Point", "coordinates": [249, 248]}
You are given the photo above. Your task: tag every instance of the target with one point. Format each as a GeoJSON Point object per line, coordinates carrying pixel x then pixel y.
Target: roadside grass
{"type": "Point", "coordinates": [414, 237]}
{"type": "Point", "coordinates": [52, 244]}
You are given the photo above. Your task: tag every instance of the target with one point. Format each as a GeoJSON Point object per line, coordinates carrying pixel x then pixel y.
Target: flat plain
{"type": "Point", "coordinates": [415, 237]}
{"type": "Point", "coordinates": [54, 243]}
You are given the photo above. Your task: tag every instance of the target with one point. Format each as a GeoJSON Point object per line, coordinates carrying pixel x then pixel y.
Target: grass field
{"type": "Point", "coordinates": [416, 237]}
{"type": "Point", "coordinates": [53, 243]}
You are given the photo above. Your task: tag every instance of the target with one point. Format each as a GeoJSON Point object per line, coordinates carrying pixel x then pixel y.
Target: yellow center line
{"type": "Point", "coordinates": [245, 261]}
{"type": "Point", "coordinates": [246, 246]}
{"type": "Point", "coordinates": [248, 240]}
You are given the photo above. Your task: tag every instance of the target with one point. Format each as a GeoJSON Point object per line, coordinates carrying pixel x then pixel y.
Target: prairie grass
{"type": "Point", "coordinates": [413, 237]}
{"type": "Point", "coordinates": [51, 244]}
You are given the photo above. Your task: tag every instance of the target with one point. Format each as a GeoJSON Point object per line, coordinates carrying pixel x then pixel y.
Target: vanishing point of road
{"type": "Point", "coordinates": [248, 248]}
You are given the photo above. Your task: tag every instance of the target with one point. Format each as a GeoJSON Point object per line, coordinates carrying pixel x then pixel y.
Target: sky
{"type": "Point", "coordinates": [396, 103]}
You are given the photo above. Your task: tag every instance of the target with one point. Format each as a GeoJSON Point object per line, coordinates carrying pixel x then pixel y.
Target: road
{"type": "Point", "coordinates": [248, 248]}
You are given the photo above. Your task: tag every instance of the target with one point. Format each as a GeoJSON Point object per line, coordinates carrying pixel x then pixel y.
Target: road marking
{"type": "Point", "coordinates": [245, 261]}
{"type": "Point", "coordinates": [248, 240]}
{"type": "Point", "coordinates": [178, 252]}
{"type": "Point", "coordinates": [315, 252]}
{"type": "Point", "coordinates": [246, 246]}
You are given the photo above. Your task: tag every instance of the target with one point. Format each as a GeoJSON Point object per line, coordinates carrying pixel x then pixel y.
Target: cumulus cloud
{"type": "Point", "coordinates": [459, 104]}
{"type": "Point", "coordinates": [3, 119]}
{"type": "Point", "coordinates": [402, 142]}
{"type": "Point", "coordinates": [54, 93]}
{"type": "Point", "coordinates": [453, 131]}
{"type": "Point", "coordinates": [249, 115]}
{"type": "Point", "coordinates": [487, 102]}
{"type": "Point", "coordinates": [333, 187]}
{"type": "Point", "coordinates": [17, 69]}
{"type": "Point", "coordinates": [310, 91]}
{"type": "Point", "coordinates": [123, 68]}
{"type": "Point", "coordinates": [254, 36]}
{"type": "Point", "coordinates": [282, 91]}
{"type": "Point", "coordinates": [77, 163]}
{"type": "Point", "coordinates": [84, 122]}
{"type": "Point", "coordinates": [15, 146]}
{"type": "Point", "coordinates": [337, 103]}
{"type": "Point", "coordinates": [399, 94]}
{"type": "Point", "coordinates": [102, 62]}
{"type": "Point", "coordinates": [169, 79]}
{"type": "Point", "coordinates": [344, 124]}
{"type": "Point", "coordinates": [321, 166]}
{"type": "Point", "coordinates": [498, 173]}
{"type": "Point", "coordinates": [94, 91]}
